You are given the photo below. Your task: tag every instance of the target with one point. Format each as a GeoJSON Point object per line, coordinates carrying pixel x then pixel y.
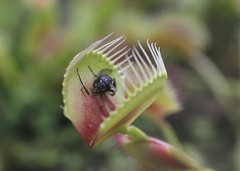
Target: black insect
{"type": "Point", "coordinates": [103, 83]}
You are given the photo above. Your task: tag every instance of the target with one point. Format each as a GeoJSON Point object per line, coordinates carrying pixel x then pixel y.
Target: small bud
{"type": "Point", "coordinates": [156, 154]}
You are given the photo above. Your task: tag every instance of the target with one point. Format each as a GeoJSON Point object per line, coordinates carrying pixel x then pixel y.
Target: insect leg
{"type": "Point", "coordinates": [112, 92]}
{"type": "Point", "coordinates": [82, 82]}
{"type": "Point", "coordinates": [92, 71]}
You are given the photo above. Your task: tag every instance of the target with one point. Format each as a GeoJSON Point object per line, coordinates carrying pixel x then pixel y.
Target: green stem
{"type": "Point", "coordinates": [218, 84]}
{"type": "Point", "coordinates": [169, 134]}
{"type": "Point", "coordinates": [136, 134]}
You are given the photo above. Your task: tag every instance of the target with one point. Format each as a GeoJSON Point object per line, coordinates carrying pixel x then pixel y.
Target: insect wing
{"type": "Point", "coordinates": [104, 72]}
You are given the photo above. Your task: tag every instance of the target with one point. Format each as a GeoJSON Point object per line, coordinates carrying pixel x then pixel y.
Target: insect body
{"type": "Point", "coordinates": [103, 83]}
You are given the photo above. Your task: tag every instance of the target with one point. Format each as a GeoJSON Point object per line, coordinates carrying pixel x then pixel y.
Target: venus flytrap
{"type": "Point", "coordinates": [139, 74]}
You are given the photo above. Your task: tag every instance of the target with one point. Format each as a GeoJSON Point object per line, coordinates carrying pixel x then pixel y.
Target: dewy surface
{"type": "Point", "coordinates": [140, 76]}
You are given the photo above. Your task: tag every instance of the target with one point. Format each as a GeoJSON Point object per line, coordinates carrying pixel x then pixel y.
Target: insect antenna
{"type": "Point", "coordinates": [92, 71]}
{"type": "Point", "coordinates": [82, 82]}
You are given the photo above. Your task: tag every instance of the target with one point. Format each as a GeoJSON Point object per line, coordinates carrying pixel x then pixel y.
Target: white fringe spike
{"type": "Point", "coordinates": [116, 53]}
{"type": "Point", "coordinates": [120, 95]}
{"type": "Point", "coordinates": [124, 86]}
{"type": "Point", "coordinates": [143, 62]}
{"type": "Point", "coordinates": [130, 81]}
{"type": "Point", "coordinates": [148, 59]}
{"type": "Point", "coordinates": [160, 58]}
{"type": "Point", "coordinates": [160, 68]}
{"type": "Point", "coordinates": [103, 46]}
{"type": "Point", "coordinates": [120, 56]}
{"type": "Point", "coordinates": [134, 70]}
{"type": "Point", "coordinates": [155, 52]}
{"type": "Point", "coordinates": [108, 45]}
{"type": "Point", "coordinates": [122, 62]}
{"type": "Point", "coordinates": [139, 65]}
{"type": "Point", "coordinates": [100, 41]}
{"type": "Point", "coordinates": [125, 68]}
{"type": "Point", "coordinates": [112, 49]}
{"type": "Point", "coordinates": [129, 77]}
{"type": "Point", "coordinates": [154, 57]}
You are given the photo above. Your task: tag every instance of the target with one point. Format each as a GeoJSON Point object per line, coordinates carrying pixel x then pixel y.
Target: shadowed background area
{"type": "Point", "coordinates": [200, 45]}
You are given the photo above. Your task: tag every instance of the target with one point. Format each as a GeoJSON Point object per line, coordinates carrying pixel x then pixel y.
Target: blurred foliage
{"type": "Point", "coordinates": [39, 38]}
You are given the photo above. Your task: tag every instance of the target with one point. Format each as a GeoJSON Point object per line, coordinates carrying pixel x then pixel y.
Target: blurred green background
{"type": "Point", "coordinates": [200, 44]}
